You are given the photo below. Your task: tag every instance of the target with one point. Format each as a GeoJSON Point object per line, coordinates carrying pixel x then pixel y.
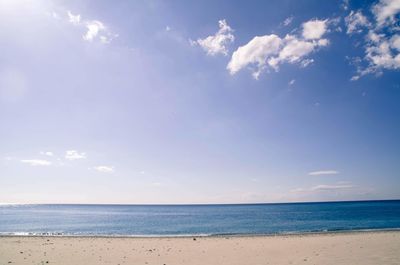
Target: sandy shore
{"type": "Point", "coordinates": [341, 248]}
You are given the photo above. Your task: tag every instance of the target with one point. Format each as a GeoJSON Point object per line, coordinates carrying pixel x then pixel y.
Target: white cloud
{"type": "Point", "coordinates": [93, 29]}
{"type": "Point", "coordinates": [291, 83]}
{"type": "Point", "coordinates": [288, 21]}
{"type": "Point", "coordinates": [314, 29]}
{"type": "Point", "coordinates": [383, 54]}
{"type": "Point", "coordinates": [373, 37]}
{"type": "Point", "coordinates": [295, 50]}
{"type": "Point", "coordinates": [74, 19]}
{"type": "Point", "coordinates": [355, 21]}
{"type": "Point", "coordinates": [74, 155]}
{"type": "Point", "coordinates": [382, 44]}
{"type": "Point", "coordinates": [325, 188]}
{"type": "Point", "coordinates": [385, 11]}
{"type": "Point", "coordinates": [395, 42]}
{"type": "Point", "coordinates": [36, 162]}
{"type": "Point", "coordinates": [217, 44]}
{"type": "Point", "coordinates": [323, 172]}
{"type": "Point", "coordinates": [257, 51]}
{"type": "Point", "coordinates": [271, 50]}
{"type": "Point", "coordinates": [104, 169]}
{"type": "Point", "coordinates": [47, 153]}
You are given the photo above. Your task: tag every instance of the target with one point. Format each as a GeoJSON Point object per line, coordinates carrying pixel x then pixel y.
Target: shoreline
{"type": "Point", "coordinates": [285, 234]}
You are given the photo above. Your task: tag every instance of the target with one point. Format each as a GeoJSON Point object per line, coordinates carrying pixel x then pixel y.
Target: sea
{"type": "Point", "coordinates": [198, 220]}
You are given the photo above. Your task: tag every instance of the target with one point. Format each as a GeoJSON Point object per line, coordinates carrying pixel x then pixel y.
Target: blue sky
{"type": "Point", "coordinates": [199, 102]}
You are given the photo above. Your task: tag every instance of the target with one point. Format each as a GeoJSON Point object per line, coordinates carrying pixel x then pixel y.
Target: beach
{"type": "Point", "coordinates": [326, 248]}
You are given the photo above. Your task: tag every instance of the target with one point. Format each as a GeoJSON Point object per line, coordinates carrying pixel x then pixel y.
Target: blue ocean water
{"type": "Point", "coordinates": [179, 220]}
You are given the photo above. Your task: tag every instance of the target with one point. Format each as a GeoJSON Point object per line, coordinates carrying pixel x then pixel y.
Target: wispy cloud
{"type": "Point", "coordinates": [291, 82]}
{"type": "Point", "coordinates": [324, 188]}
{"type": "Point", "coordinates": [104, 169]}
{"type": "Point", "coordinates": [288, 21]}
{"type": "Point", "coordinates": [331, 187]}
{"type": "Point", "coordinates": [47, 153]}
{"type": "Point", "coordinates": [323, 172]}
{"type": "Point", "coordinates": [306, 62]}
{"type": "Point", "coordinates": [345, 4]}
{"type": "Point", "coordinates": [95, 29]}
{"type": "Point", "coordinates": [74, 155]}
{"type": "Point", "coordinates": [356, 22]}
{"type": "Point", "coordinates": [217, 43]}
{"type": "Point", "coordinates": [36, 162]}
{"type": "Point", "coordinates": [74, 19]}
{"type": "Point", "coordinates": [54, 15]}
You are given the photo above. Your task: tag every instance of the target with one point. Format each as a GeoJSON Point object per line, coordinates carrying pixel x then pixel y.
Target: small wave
{"type": "Point", "coordinates": [60, 234]}
{"type": "Point", "coordinates": [31, 234]}
{"type": "Point", "coordinates": [323, 231]}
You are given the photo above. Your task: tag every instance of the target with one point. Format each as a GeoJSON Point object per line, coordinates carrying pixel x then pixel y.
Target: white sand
{"type": "Point", "coordinates": [364, 248]}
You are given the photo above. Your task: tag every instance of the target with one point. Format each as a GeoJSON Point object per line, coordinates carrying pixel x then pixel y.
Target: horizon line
{"type": "Point", "coordinates": [203, 204]}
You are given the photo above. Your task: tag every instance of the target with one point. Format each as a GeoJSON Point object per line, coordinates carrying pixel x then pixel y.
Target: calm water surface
{"type": "Point", "coordinates": [198, 219]}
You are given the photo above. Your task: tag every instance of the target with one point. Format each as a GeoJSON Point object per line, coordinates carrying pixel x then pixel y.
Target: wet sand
{"type": "Point", "coordinates": [337, 248]}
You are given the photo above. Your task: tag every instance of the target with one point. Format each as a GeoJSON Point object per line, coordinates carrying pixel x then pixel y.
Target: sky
{"type": "Point", "coordinates": [165, 102]}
